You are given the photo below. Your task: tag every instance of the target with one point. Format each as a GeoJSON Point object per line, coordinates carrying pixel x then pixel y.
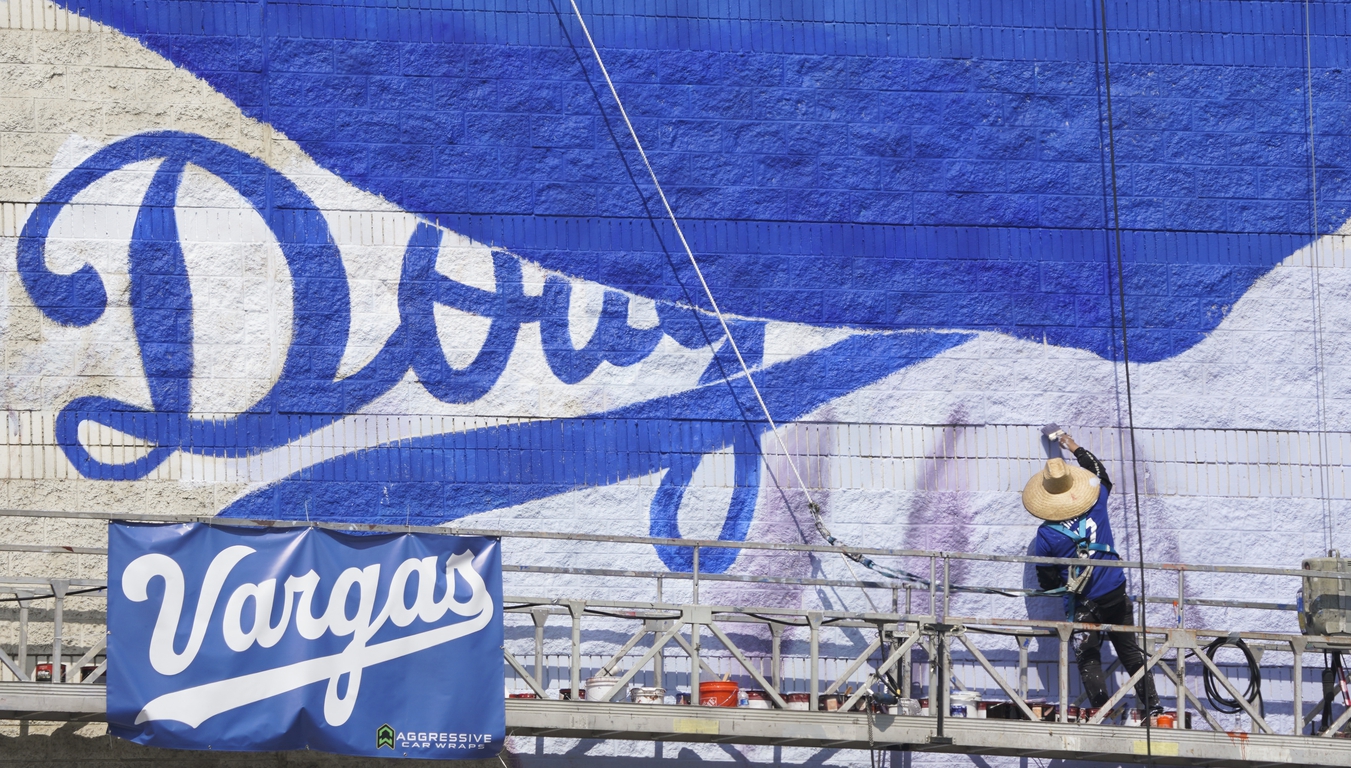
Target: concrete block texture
{"type": "Point", "coordinates": [396, 264]}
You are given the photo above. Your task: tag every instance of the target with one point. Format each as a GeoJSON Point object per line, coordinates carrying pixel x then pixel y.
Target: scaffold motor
{"type": "Point", "coordinates": [1325, 602]}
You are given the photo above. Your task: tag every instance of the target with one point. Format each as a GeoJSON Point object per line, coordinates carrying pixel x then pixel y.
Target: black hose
{"type": "Point", "coordinates": [71, 593]}
{"type": "Point", "coordinates": [1330, 674]}
{"type": "Point", "coordinates": [1214, 692]}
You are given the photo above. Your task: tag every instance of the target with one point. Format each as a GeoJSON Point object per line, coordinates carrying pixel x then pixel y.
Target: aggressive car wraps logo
{"type": "Point", "coordinates": [386, 736]}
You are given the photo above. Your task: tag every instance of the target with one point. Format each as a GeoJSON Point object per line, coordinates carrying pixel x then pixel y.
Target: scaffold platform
{"type": "Point", "coordinates": [824, 730]}
{"type": "Point", "coordinates": [922, 645]}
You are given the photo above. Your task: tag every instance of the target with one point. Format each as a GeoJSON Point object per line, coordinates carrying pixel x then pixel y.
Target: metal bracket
{"type": "Point", "coordinates": [1184, 639]}
{"type": "Point", "coordinates": [696, 614]}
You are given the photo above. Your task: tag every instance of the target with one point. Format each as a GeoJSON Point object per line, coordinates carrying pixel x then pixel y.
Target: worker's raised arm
{"type": "Point", "coordinates": [1087, 460]}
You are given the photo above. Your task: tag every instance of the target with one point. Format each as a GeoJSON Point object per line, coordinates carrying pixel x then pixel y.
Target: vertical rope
{"type": "Point", "coordinates": [1316, 295]}
{"type": "Point", "coordinates": [1126, 362]}
{"type": "Point", "coordinates": [727, 331]}
{"type": "Point", "coordinates": [680, 233]}
{"type": "Point", "coordinates": [817, 520]}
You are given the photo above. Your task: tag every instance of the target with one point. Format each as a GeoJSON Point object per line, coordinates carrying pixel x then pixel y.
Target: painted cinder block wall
{"type": "Point", "coordinates": [941, 165]}
{"type": "Point", "coordinates": [407, 231]}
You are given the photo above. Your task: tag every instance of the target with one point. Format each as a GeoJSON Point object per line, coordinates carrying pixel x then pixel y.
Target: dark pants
{"type": "Point", "coordinates": [1117, 609]}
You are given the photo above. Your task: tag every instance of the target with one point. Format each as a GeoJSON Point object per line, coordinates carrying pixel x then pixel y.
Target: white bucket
{"type": "Point", "coordinates": [597, 687]}
{"type": "Point", "coordinates": [757, 699]}
{"type": "Point", "coordinates": [647, 695]}
{"type": "Point", "coordinates": [967, 701]}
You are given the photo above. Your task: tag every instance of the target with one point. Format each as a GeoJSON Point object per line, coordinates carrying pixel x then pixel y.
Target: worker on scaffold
{"type": "Point", "coordinates": [1073, 503]}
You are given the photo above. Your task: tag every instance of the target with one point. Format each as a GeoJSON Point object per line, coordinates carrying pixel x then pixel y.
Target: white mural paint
{"type": "Point", "coordinates": [919, 456]}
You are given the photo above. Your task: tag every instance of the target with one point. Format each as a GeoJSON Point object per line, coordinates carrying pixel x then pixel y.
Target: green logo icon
{"type": "Point", "coordinates": [384, 736]}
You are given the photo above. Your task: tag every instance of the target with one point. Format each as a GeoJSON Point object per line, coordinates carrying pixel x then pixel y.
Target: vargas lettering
{"type": "Point", "coordinates": [242, 628]}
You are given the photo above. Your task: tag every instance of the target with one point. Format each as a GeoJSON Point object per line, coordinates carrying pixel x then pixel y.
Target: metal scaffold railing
{"type": "Point", "coordinates": [817, 670]}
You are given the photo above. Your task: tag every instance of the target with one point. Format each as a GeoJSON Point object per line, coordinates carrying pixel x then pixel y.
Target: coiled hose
{"type": "Point", "coordinates": [1215, 692]}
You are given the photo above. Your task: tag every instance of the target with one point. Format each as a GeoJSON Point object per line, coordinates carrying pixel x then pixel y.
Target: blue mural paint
{"type": "Point", "coordinates": [852, 163]}
{"type": "Point", "coordinates": [614, 340]}
{"type": "Point", "coordinates": [718, 413]}
{"type": "Point", "coordinates": [162, 303]}
{"type": "Point", "coordinates": [448, 476]}
{"type": "Point", "coordinates": [847, 163]}
{"type": "Point", "coordinates": [162, 310]}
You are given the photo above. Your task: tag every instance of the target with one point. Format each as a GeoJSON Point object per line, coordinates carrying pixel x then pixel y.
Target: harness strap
{"type": "Point", "coordinates": [1079, 535]}
{"type": "Point", "coordinates": [1077, 576]}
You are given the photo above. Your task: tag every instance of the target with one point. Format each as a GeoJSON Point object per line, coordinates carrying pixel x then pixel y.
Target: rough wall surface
{"type": "Point", "coordinates": [343, 261]}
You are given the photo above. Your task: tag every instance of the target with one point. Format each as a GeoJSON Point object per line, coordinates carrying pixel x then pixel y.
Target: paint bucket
{"type": "Point", "coordinates": [1164, 720]}
{"type": "Point", "coordinates": [718, 693]}
{"type": "Point", "coordinates": [1071, 714]}
{"type": "Point", "coordinates": [1089, 713]}
{"type": "Point", "coordinates": [757, 699]}
{"type": "Point", "coordinates": [1132, 718]}
{"type": "Point", "coordinates": [599, 686]}
{"type": "Point", "coordinates": [966, 701]}
{"type": "Point", "coordinates": [798, 701]}
{"type": "Point", "coordinates": [647, 694]}
{"type": "Point", "coordinates": [566, 694]}
{"type": "Point", "coordinates": [526, 695]}
{"type": "Point", "coordinates": [43, 673]}
{"type": "Point", "coordinates": [924, 707]}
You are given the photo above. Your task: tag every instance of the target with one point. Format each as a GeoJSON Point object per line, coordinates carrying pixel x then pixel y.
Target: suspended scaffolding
{"type": "Point", "coordinates": [654, 628]}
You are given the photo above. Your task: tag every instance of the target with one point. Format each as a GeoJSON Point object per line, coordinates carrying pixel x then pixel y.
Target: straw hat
{"type": "Point", "coordinates": [1060, 492]}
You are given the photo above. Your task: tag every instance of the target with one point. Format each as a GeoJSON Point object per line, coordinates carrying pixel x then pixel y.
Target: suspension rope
{"type": "Point", "coordinates": [1315, 280]}
{"type": "Point", "coordinates": [812, 506]}
{"type": "Point", "coordinates": [1126, 363]}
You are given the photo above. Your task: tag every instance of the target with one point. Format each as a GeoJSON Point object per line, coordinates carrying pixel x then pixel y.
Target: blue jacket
{"type": "Point", "coordinates": [1053, 543]}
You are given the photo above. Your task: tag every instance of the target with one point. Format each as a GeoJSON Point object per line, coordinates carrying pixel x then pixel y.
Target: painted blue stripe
{"type": "Point", "coordinates": [445, 477]}
{"type": "Point", "coordinates": [844, 162]}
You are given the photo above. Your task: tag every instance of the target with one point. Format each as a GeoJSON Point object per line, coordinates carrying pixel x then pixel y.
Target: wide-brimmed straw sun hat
{"type": "Point", "coordinates": [1060, 492]}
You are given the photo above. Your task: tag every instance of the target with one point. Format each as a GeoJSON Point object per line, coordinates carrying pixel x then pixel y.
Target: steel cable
{"type": "Point", "coordinates": [1126, 359]}
{"type": "Point", "coordinates": [815, 510]}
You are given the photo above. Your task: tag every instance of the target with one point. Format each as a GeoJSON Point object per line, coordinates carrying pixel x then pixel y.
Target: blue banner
{"type": "Point", "coordinates": [248, 639]}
